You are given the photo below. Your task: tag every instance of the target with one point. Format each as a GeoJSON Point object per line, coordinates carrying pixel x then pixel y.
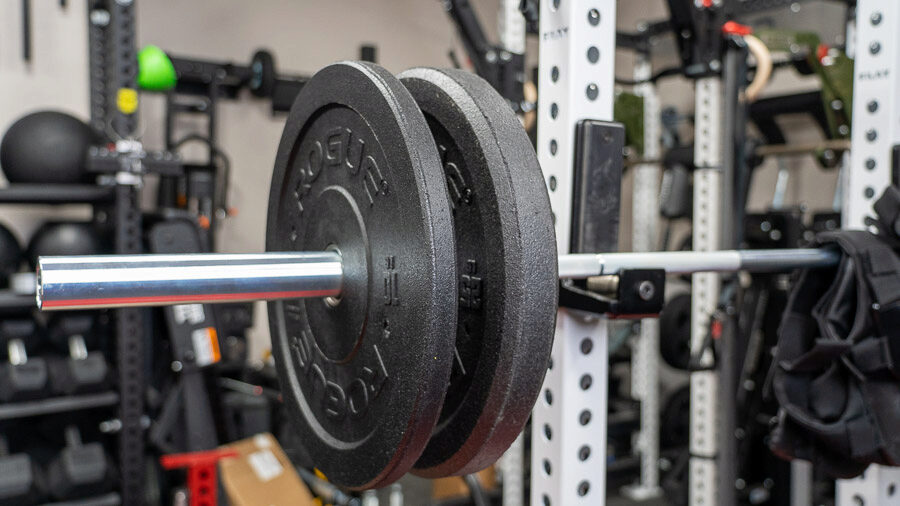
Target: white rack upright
{"type": "Point", "coordinates": [876, 130]}
{"type": "Point", "coordinates": [568, 465]}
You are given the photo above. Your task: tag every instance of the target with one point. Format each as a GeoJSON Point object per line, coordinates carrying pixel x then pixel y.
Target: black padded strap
{"type": "Point", "coordinates": [864, 440]}
{"type": "Point", "coordinates": [876, 355]}
{"type": "Point", "coordinates": [877, 262]}
{"type": "Point", "coordinates": [821, 355]}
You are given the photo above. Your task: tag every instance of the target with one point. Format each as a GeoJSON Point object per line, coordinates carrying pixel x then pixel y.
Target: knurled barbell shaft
{"type": "Point", "coordinates": [109, 281]}
{"type": "Point", "coordinates": [585, 265]}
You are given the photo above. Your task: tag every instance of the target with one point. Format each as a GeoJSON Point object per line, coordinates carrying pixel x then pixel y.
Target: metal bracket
{"type": "Point", "coordinates": [633, 293]}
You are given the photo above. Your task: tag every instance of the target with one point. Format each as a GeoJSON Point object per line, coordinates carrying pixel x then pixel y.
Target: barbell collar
{"type": "Point", "coordinates": [110, 281]}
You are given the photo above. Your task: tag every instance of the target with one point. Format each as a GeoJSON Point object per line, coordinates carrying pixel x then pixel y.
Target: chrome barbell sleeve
{"type": "Point", "coordinates": [93, 282]}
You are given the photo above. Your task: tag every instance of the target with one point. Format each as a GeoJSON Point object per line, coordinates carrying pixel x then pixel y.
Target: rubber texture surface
{"type": "Point", "coordinates": [506, 263]}
{"type": "Point", "coordinates": [364, 376]}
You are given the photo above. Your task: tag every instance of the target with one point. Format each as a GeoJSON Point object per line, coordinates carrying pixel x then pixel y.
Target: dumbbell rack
{"type": "Point", "coordinates": [99, 197]}
{"type": "Point", "coordinates": [113, 69]}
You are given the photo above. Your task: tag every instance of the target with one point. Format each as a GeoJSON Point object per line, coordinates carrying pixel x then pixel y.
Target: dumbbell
{"type": "Point", "coordinates": [21, 481]}
{"type": "Point", "coordinates": [413, 273]}
{"type": "Point", "coordinates": [21, 378]}
{"type": "Point", "coordinates": [79, 470]}
{"type": "Point", "coordinates": [82, 371]}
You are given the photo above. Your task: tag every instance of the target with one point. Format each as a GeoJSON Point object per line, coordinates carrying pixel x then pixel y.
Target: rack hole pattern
{"type": "Point", "coordinates": [576, 81]}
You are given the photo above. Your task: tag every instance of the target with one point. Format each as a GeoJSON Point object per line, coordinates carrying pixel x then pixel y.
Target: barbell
{"type": "Point", "coordinates": [115, 281]}
{"type": "Point", "coordinates": [412, 273]}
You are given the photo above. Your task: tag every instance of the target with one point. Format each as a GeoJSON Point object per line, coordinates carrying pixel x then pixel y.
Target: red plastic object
{"type": "Point", "coordinates": [201, 472]}
{"type": "Point", "coordinates": [822, 51]}
{"type": "Point", "coordinates": [716, 329]}
{"type": "Point", "coordinates": [734, 28]}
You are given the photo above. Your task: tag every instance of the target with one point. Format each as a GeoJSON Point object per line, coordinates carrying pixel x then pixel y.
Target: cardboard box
{"type": "Point", "coordinates": [262, 475]}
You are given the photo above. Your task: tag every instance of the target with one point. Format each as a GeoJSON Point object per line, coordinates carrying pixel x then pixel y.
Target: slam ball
{"type": "Point", "coordinates": [46, 147]}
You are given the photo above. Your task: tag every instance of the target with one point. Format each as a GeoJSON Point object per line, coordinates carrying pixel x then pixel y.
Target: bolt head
{"type": "Point", "coordinates": [646, 290]}
{"type": "Point", "coordinates": [99, 17]}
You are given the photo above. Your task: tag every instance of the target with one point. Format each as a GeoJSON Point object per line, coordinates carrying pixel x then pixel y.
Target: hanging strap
{"type": "Point", "coordinates": [878, 267]}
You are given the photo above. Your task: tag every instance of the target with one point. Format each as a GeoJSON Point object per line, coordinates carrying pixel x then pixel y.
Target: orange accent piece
{"type": "Point", "coordinates": [715, 329]}
{"type": "Point", "coordinates": [203, 221]}
{"type": "Point", "coordinates": [214, 344]}
{"type": "Point", "coordinates": [707, 3]}
{"type": "Point", "coordinates": [201, 472]}
{"type": "Point", "coordinates": [232, 211]}
{"type": "Point", "coordinates": [181, 200]}
{"type": "Point", "coordinates": [822, 52]}
{"type": "Point", "coordinates": [735, 28]}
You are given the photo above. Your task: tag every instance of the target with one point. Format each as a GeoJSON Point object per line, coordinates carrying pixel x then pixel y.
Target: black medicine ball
{"type": "Point", "coordinates": [46, 147]}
